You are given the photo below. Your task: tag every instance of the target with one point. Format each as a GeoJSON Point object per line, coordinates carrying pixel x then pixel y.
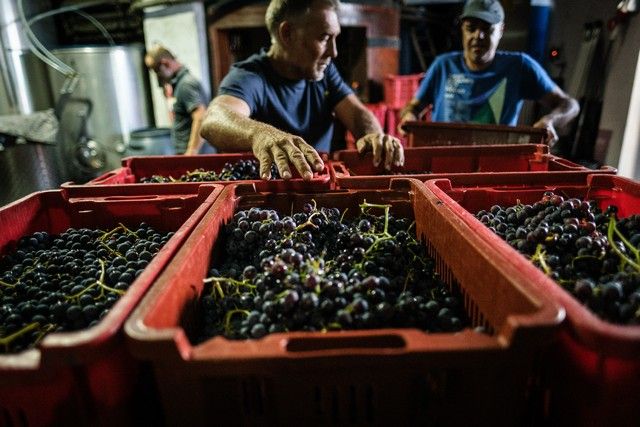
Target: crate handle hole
{"type": "Point", "coordinates": [335, 343]}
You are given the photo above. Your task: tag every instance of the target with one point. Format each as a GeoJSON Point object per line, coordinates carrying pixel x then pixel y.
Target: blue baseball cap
{"type": "Point", "coordinates": [490, 11]}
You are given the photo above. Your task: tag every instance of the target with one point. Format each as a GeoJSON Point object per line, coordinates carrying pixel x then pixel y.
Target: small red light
{"type": "Point", "coordinates": [554, 53]}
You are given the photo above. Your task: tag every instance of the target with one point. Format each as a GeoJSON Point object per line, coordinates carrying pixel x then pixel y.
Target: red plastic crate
{"type": "Point", "coordinates": [137, 167]}
{"type": "Point", "coordinates": [399, 89]}
{"type": "Point", "coordinates": [380, 111]}
{"type": "Point", "coordinates": [421, 133]}
{"type": "Point", "coordinates": [500, 164]}
{"type": "Point", "coordinates": [373, 377]}
{"type": "Point", "coordinates": [393, 120]}
{"type": "Point", "coordinates": [594, 370]}
{"type": "Point", "coordinates": [88, 377]}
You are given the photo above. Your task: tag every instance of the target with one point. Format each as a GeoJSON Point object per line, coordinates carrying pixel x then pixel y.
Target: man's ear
{"type": "Point", "coordinates": [285, 32]}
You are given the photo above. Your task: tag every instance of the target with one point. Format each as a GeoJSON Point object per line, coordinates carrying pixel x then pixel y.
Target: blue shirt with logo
{"type": "Point", "coordinates": [494, 95]}
{"type": "Point", "coordinates": [300, 107]}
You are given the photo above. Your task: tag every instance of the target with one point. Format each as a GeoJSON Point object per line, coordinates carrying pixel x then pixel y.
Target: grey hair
{"type": "Point", "coordinates": [282, 10]}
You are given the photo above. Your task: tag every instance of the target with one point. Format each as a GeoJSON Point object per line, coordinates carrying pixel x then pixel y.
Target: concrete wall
{"type": "Point", "coordinates": [567, 22]}
{"type": "Point", "coordinates": [618, 89]}
{"type": "Point", "coordinates": [566, 31]}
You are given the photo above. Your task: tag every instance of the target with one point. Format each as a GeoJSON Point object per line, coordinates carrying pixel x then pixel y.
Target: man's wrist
{"type": "Point", "coordinates": [411, 108]}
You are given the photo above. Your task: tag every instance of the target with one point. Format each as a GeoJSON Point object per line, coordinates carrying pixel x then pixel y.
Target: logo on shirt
{"type": "Point", "coordinates": [466, 100]}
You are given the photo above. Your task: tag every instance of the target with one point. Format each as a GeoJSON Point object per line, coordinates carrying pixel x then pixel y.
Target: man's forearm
{"type": "Point", "coordinates": [195, 142]}
{"type": "Point", "coordinates": [414, 107]}
{"type": "Point", "coordinates": [366, 123]}
{"type": "Point", "coordinates": [229, 131]}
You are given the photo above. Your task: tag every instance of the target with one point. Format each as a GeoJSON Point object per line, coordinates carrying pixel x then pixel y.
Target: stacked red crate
{"type": "Point", "coordinates": [591, 373]}
{"type": "Point", "coordinates": [88, 377]}
{"type": "Point", "coordinates": [377, 376]}
{"type": "Point", "coordinates": [523, 164]}
{"type": "Point", "coordinates": [128, 177]}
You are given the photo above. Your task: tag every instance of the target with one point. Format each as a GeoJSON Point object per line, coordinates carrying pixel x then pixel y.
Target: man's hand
{"type": "Point", "coordinates": [405, 116]}
{"type": "Point", "coordinates": [382, 145]}
{"type": "Point", "coordinates": [282, 148]}
{"type": "Point", "coordinates": [547, 124]}
{"type": "Point", "coordinates": [409, 113]}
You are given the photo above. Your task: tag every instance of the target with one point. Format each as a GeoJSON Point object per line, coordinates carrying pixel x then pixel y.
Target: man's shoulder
{"type": "Point", "coordinates": [185, 82]}
{"type": "Point", "coordinates": [249, 72]}
{"type": "Point", "coordinates": [511, 56]}
{"type": "Point", "coordinates": [517, 62]}
{"type": "Point", "coordinates": [188, 79]}
{"type": "Point", "coordinates": [444, 58]}
{"type": "Point", "coordinates": [254, 64]}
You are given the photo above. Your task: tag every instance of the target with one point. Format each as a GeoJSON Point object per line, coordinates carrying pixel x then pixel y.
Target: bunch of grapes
{"type": "Point", "coordinates": [590, 253]}
{"type": "Point", "coordinates": [236, 171]}
{"type": "Point", "coordinates": [318, 271]}
{"type": "Point", "coordinates": [68, 282]}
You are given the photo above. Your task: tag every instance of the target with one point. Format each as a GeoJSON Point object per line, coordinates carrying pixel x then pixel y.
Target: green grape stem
{"type": "Point", "coordinates": [120, 227]}
{"type": "Point", "coordinates": [611, 230]}
{"type": "Point", "coordinates": [229, 315]}
{"type": "Point", "coordinates": [364, 206]}
{"type": "Point", "coordinates": [8, 285]}
{"type": "Point", "coordinates": [6, 341]}
{"type": "Point", "coordinates": [100, 282]}
{"type": "Point", "coordinates": [628, 245]}
{"type": "Point", "coordinates": [343, 214]}
{"type": "Point", "coordinates": [114, 252]}
{"type": "Point", "coordinates": [540, 256]}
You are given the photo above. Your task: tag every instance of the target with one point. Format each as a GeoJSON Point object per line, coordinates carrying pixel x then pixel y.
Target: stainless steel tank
{"type": "Point", "coordinates": [150, 142]}
{"type": "Point", "coordinates": [24, 82]}
{"type": "Point", "coordinates": [113, 80]}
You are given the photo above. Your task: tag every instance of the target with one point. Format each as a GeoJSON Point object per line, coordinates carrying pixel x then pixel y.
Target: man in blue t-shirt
{"type": "Point", "coordinates": [281, 103]}
{"type": "Point", "coordinates": [482, 85]}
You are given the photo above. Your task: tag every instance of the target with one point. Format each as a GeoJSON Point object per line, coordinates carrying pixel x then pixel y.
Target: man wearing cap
{"type": "Point", "coordinates": [484, 85]}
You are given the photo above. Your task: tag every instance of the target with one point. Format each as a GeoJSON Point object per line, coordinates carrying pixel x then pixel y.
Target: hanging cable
{"type": "Point", "coordinates": [34, 45]}
{"type": "Point", "coordinates": [85, 15]}
{"type": "Point", "coordinates": [45, 55]}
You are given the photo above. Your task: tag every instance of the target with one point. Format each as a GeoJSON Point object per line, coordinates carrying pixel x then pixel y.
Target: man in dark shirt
{"type": "Point", "coordinates": [190, 100]}
{"type": "Point", "coordinates": [281, 103]}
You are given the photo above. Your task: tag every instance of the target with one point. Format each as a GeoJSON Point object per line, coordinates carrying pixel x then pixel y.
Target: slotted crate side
{"type": "Point", "coordinates": [118, 190]}
{"type": "Point", "coordinates": [135, 168]}
{"type": "Point", "coordinates": [458, 159]}
{"type": "Point", "coordinates": [490, 163]}
{"type": "Point", "coordinates": [90, 370]}
{"type": "Point", "coordinates": [399, 89]}
{"type": "Point", "coordinates": [591, 354]}
{"type": "Point", "coordinates": [437, 133]}
{"type": "Point", "coordinates": [522, 322]}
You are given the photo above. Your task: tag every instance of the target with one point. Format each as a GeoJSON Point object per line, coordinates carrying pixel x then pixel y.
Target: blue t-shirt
{"type": "Point", "coordinates": [300, 107]}
{"type": "Point", "coordinates": [493, 95]}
